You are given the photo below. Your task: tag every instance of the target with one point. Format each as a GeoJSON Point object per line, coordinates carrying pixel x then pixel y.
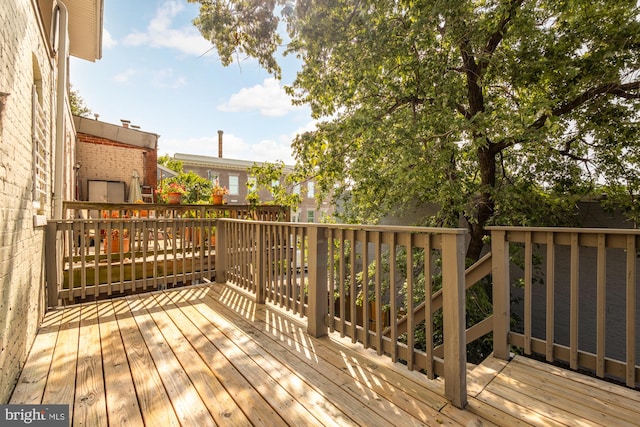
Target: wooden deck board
{"type": "Point", "coordinates": [320, 373]}
{"type": "Point", "coordinates": [386, 395]}
{"type": "Point", "coordinates": [32, 381]}
{"type": "Point", "coordinates": [248, 399]}
{"type": "Point", "coordinates": [185, 400]}
{"type": "Point", "coordinates": [90, 405]}
{"type": "Point", "coordinates": [582, 402]}
{"type": "Point", "coordinates": [243, 352]}
{"type": "Point", "coordinates": [155, 405]}
{"type": "Point", "coordinates": [306, 395]}
{"type": "Point", "coordinates": [122, 401]}
{"type": "Point", "coordinates": [208, 355]}
{"type": "Point", "coordinates": [60, 386]}
{"type": "Point", "coordinates": [218, 401]}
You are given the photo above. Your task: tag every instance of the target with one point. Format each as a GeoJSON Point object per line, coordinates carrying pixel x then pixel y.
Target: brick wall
{"type": "Point", "coordinates": [106, 160]}
{"type": "Point", "coordinates": [23, 55]}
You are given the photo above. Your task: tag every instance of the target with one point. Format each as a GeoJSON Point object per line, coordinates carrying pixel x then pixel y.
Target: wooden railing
{"type": "Point", "coordinates": [577, 297]}
{"type": "Point", "coordinates": [128, 248]}
{"type": "Point", "coordinates": [86, 210]}
{"type": "Point", "coordinates": [568, 295]}
{"type": "Point", "coordinates": [362, 281]}
{"type": "Point", "coordinates": [88, 259]}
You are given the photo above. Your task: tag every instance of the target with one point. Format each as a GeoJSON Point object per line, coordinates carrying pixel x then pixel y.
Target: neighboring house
{"type": "Point", "coordinates": [111, 154]}
{"type": "Point", "coordinates": [37, 153]}
{"type": "Point", "coordinates": [233, 174]}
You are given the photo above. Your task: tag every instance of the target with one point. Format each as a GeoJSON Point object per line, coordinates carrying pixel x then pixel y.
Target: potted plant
{"type": "Point", "coordinates": [114, 241]}
{"type": "Point", "coordinates": [171, 192]}
{"type": "Point", "coordinates": [217, 191]}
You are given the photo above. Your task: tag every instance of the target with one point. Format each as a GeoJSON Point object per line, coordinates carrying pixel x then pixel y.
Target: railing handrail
{"type": "Point", "coordinates": [565, 230]}
{"type": "Point", "coordinates": [255, 211]}
{"type": "Point", "coordinates": [363, 227]}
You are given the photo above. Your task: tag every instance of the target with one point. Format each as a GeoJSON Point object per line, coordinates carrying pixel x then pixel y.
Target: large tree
{"type": "Point", "coordinates": [496, 111]}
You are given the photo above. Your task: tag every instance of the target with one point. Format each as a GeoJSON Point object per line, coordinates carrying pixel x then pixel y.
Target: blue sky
{"type": "Point", "coordinates": [153, 73]}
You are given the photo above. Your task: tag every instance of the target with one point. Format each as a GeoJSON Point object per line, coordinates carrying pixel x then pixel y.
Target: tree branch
{"type": "Point", "coordinates": [497, 36]}
{"type": "Point", "coordinates": [617, 89]}
{"type": "Point", "coordinates": [625, 91]}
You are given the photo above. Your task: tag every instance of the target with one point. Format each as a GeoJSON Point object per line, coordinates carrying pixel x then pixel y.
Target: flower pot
{"type": "Point", "coordinates": [174, 198]}
{"type": "Point", "coordinates": [217, 199]}
{"type": "Point", "coordinates": [115, 245]}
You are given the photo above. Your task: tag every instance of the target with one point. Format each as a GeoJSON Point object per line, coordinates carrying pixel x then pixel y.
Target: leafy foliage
{"type": "Point", "coordinates": [78, 106]}
{"type": "Point", "coordinates": [266, 175]}
{"type": "Point", "coordinates": [196, 189]}
{"type": "Point", "coordinates": [497, 111]}
{"type": "Point", "coordinates": [171, 163]}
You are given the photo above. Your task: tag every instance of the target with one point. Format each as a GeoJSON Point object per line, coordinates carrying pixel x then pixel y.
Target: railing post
{"type": "Point", "coordinates": [453, 312]}
{"type": "Point", "coordinates": [501, 308]}
{"type": "Point", "coordinates": [221, 252]}
{"type": "Point", "coordinates": [260, 265]}
{"type": "Point", "coordinates": [52, 266]}
{"type": "Point", "coordinates": [318, 291]}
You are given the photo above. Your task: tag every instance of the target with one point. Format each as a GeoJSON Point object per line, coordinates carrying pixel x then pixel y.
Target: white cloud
{"type": "Point", "coordinates": [165, 79]}
{"type": "Point", "coordinates": [269, 98]}
{"type": "Point", "coordinates": [159, 33]}
{"type": "Point", "coordinates": [125, 76]}
{"type": "Point", "coordinates": [107, 41]}
{"type": "Point", "coordinates": [271, 151]}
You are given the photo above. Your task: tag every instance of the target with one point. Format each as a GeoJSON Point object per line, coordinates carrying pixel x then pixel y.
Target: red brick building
{"type": "Point", "coordinates": [111, 154]}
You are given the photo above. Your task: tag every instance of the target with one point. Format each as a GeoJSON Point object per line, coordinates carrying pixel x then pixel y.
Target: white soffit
{"type": "Point", "coordinates": [85, 28]}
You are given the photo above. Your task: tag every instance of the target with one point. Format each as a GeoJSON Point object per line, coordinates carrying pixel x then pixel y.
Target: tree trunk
{"type": "Point", "coordinates": [484, 203]}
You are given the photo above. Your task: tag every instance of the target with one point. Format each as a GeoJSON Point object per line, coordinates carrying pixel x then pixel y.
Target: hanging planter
{"type": "Point", "coordinates": [217, 199]}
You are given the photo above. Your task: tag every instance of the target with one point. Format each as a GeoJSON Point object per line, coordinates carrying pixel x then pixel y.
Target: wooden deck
{"type": "Point", "coordinates": [207, 355]}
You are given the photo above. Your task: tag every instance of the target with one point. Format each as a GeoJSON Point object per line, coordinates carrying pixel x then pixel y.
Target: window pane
{"type": "Point", "coordinates": [233, 185]}
{"type": "Point", "coordinates": [311, 190]}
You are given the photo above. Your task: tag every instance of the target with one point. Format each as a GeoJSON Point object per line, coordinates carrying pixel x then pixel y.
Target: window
{"type": "Point", "coordinates": [275, 183]}
{"type": "Point", "coordinates": [233, 185]}
{"type": "Point", "coordinates": [40, 152]}
{"type": "Point", "coordinates": [212, 175]}
{"type": "Point", "coordinates": [311, 189]}
{"type": "Point", "coordinates": [311, 216]}
{"type": "Point", "coordinates": [296, 189]}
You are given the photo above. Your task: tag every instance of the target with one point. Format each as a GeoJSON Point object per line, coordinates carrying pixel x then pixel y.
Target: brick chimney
{"type": "Point", "coordinates": [220, 143]}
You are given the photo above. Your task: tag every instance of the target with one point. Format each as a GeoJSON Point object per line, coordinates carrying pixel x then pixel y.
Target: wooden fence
{"type": "Point", "coordinates": [370, 283]}
{"type": "Point", "coordinates": [567, 295]}
{"type": "Point", "coordinates": [574, 294]}
{"type": "Point", "coordinates": [129, 248]}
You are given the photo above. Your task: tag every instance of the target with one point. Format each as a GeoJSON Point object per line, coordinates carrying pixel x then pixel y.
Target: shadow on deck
{"type": "Point", "coordinates": [207, 355]}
